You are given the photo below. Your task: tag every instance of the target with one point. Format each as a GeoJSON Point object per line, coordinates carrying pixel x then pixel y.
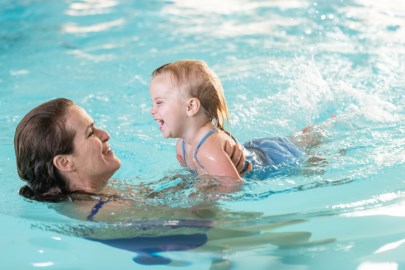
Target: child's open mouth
{"type": "Point", "coordinates": [160, 122]}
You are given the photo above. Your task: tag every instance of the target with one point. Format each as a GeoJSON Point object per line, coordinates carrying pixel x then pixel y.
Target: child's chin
{"type": "Point", "coordinates": [167, 135]}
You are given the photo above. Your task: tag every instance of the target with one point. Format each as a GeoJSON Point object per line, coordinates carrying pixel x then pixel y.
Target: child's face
{"type": "Point", "coordinates": [168, 106]}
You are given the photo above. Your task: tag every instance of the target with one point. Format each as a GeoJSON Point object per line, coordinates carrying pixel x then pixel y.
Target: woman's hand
{"type": "Point", "coordinates": [237, 156]}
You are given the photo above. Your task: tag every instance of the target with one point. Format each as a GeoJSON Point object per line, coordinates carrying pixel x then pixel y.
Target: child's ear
{"type": "Point", "coordinates": [193, 106]}
{"type": "Point", "coordinates": [63, 163]}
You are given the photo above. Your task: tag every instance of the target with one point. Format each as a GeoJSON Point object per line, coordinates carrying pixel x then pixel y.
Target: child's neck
{"type": "Point", "coordinates": [196, 131]}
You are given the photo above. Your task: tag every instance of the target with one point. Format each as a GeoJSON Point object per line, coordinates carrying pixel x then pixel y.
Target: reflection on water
{"type": "Point", "coordinates": [248, 18]}
{"type": "Point", "coordinates": [90, 7]}
{"type": "Point", "coordinates": [72, 28]}
{"type": "Point", "coordinates": [150, 239]}
{"type": "Point", "coordinates": [232, 7]}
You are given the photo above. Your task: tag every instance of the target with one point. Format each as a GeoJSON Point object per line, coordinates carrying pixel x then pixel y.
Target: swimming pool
{"type": "Point", "coordinates": [283, 64]}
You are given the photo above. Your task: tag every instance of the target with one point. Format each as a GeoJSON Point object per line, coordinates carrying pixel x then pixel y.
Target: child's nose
{"type": "Point", "coordinates": [152, 110]}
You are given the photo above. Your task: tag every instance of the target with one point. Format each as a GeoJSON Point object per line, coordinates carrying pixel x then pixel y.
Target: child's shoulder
{"type": "Point", "coordinates": [213, 158]}
{"type": "Point", "coordinates": [225, 136]}
{"type": "Point", "coordinates": [217, 141]}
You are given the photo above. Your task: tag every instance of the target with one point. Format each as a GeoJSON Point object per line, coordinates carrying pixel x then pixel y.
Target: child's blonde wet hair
{"type": "Point", "coordinates": [199, 81]}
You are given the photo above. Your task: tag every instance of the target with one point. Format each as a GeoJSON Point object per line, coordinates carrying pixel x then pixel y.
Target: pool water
{"type": "Point", "coordinates": [284, 65]}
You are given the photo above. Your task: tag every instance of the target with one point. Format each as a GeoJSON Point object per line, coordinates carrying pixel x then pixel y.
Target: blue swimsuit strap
{"type": "Point", "coordinates": [198, 146]}
{"type": "Point", "coordinates": [95, 209]}
{"type": "Point", "coordinates": [183, 150]}
{"type": "Point", "coordinates": [209, 133]}
{"type": "Point", "coordinates": [201, 142]}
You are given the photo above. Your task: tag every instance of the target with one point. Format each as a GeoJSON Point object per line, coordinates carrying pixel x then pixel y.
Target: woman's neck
{"type": "Point", "coordinates": [84, 183]}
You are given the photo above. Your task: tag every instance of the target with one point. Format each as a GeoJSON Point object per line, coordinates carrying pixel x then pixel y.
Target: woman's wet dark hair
{"type": "Point", "coordinates": [40, 136]}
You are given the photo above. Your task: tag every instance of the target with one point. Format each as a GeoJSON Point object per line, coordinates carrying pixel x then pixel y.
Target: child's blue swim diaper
{"type": "Point", "coordinates": [272, 157]}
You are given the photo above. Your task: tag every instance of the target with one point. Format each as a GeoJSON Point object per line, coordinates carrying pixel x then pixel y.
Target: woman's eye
{"type": "Point", "coordinates": [91, 133]}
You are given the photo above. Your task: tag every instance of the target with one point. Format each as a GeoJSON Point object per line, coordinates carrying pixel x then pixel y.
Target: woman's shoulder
{"type": "Point", "coordinates": [91, 207]}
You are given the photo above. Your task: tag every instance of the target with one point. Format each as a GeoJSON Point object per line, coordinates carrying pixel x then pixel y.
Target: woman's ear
{"type": "Point", "coordinates": [193, 106]}
{"type": "Point", "coordinates": [63, 163]}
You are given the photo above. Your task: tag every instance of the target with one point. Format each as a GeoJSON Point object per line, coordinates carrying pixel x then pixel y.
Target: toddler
{"type": "Point", "coordinates": [189, 104]}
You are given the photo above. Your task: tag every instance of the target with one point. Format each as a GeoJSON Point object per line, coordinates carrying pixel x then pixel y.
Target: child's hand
{"type": "Point", "coordinates": [237, 156]}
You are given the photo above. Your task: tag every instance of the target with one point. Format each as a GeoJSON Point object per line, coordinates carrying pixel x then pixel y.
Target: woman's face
{"type": "Point", "coordinates": [93, 160]}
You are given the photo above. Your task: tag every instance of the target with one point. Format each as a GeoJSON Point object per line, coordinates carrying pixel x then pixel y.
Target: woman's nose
{"type": "Point", "coordinates": [103, 135]}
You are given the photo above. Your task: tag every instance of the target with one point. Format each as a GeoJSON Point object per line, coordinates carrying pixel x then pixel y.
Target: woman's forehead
{"type": "Point", "coordinates": [77, 117]}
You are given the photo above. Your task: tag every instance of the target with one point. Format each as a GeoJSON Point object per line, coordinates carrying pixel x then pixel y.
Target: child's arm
{"type": "Point", "coordinates": [179, 152]}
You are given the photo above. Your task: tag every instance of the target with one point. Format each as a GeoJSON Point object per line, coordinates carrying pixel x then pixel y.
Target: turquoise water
{"type": "Point", "coordinates": [283, 64]}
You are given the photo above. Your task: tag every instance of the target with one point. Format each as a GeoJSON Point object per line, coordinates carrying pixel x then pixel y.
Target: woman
{"type": "Point", "coordinates": [62, 155]}
{"type": "Point", "coordinates": [59, 151]}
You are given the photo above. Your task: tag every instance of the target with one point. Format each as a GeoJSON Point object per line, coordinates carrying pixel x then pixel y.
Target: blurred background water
{"type": "Point", "coordinates": [283, 64]}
